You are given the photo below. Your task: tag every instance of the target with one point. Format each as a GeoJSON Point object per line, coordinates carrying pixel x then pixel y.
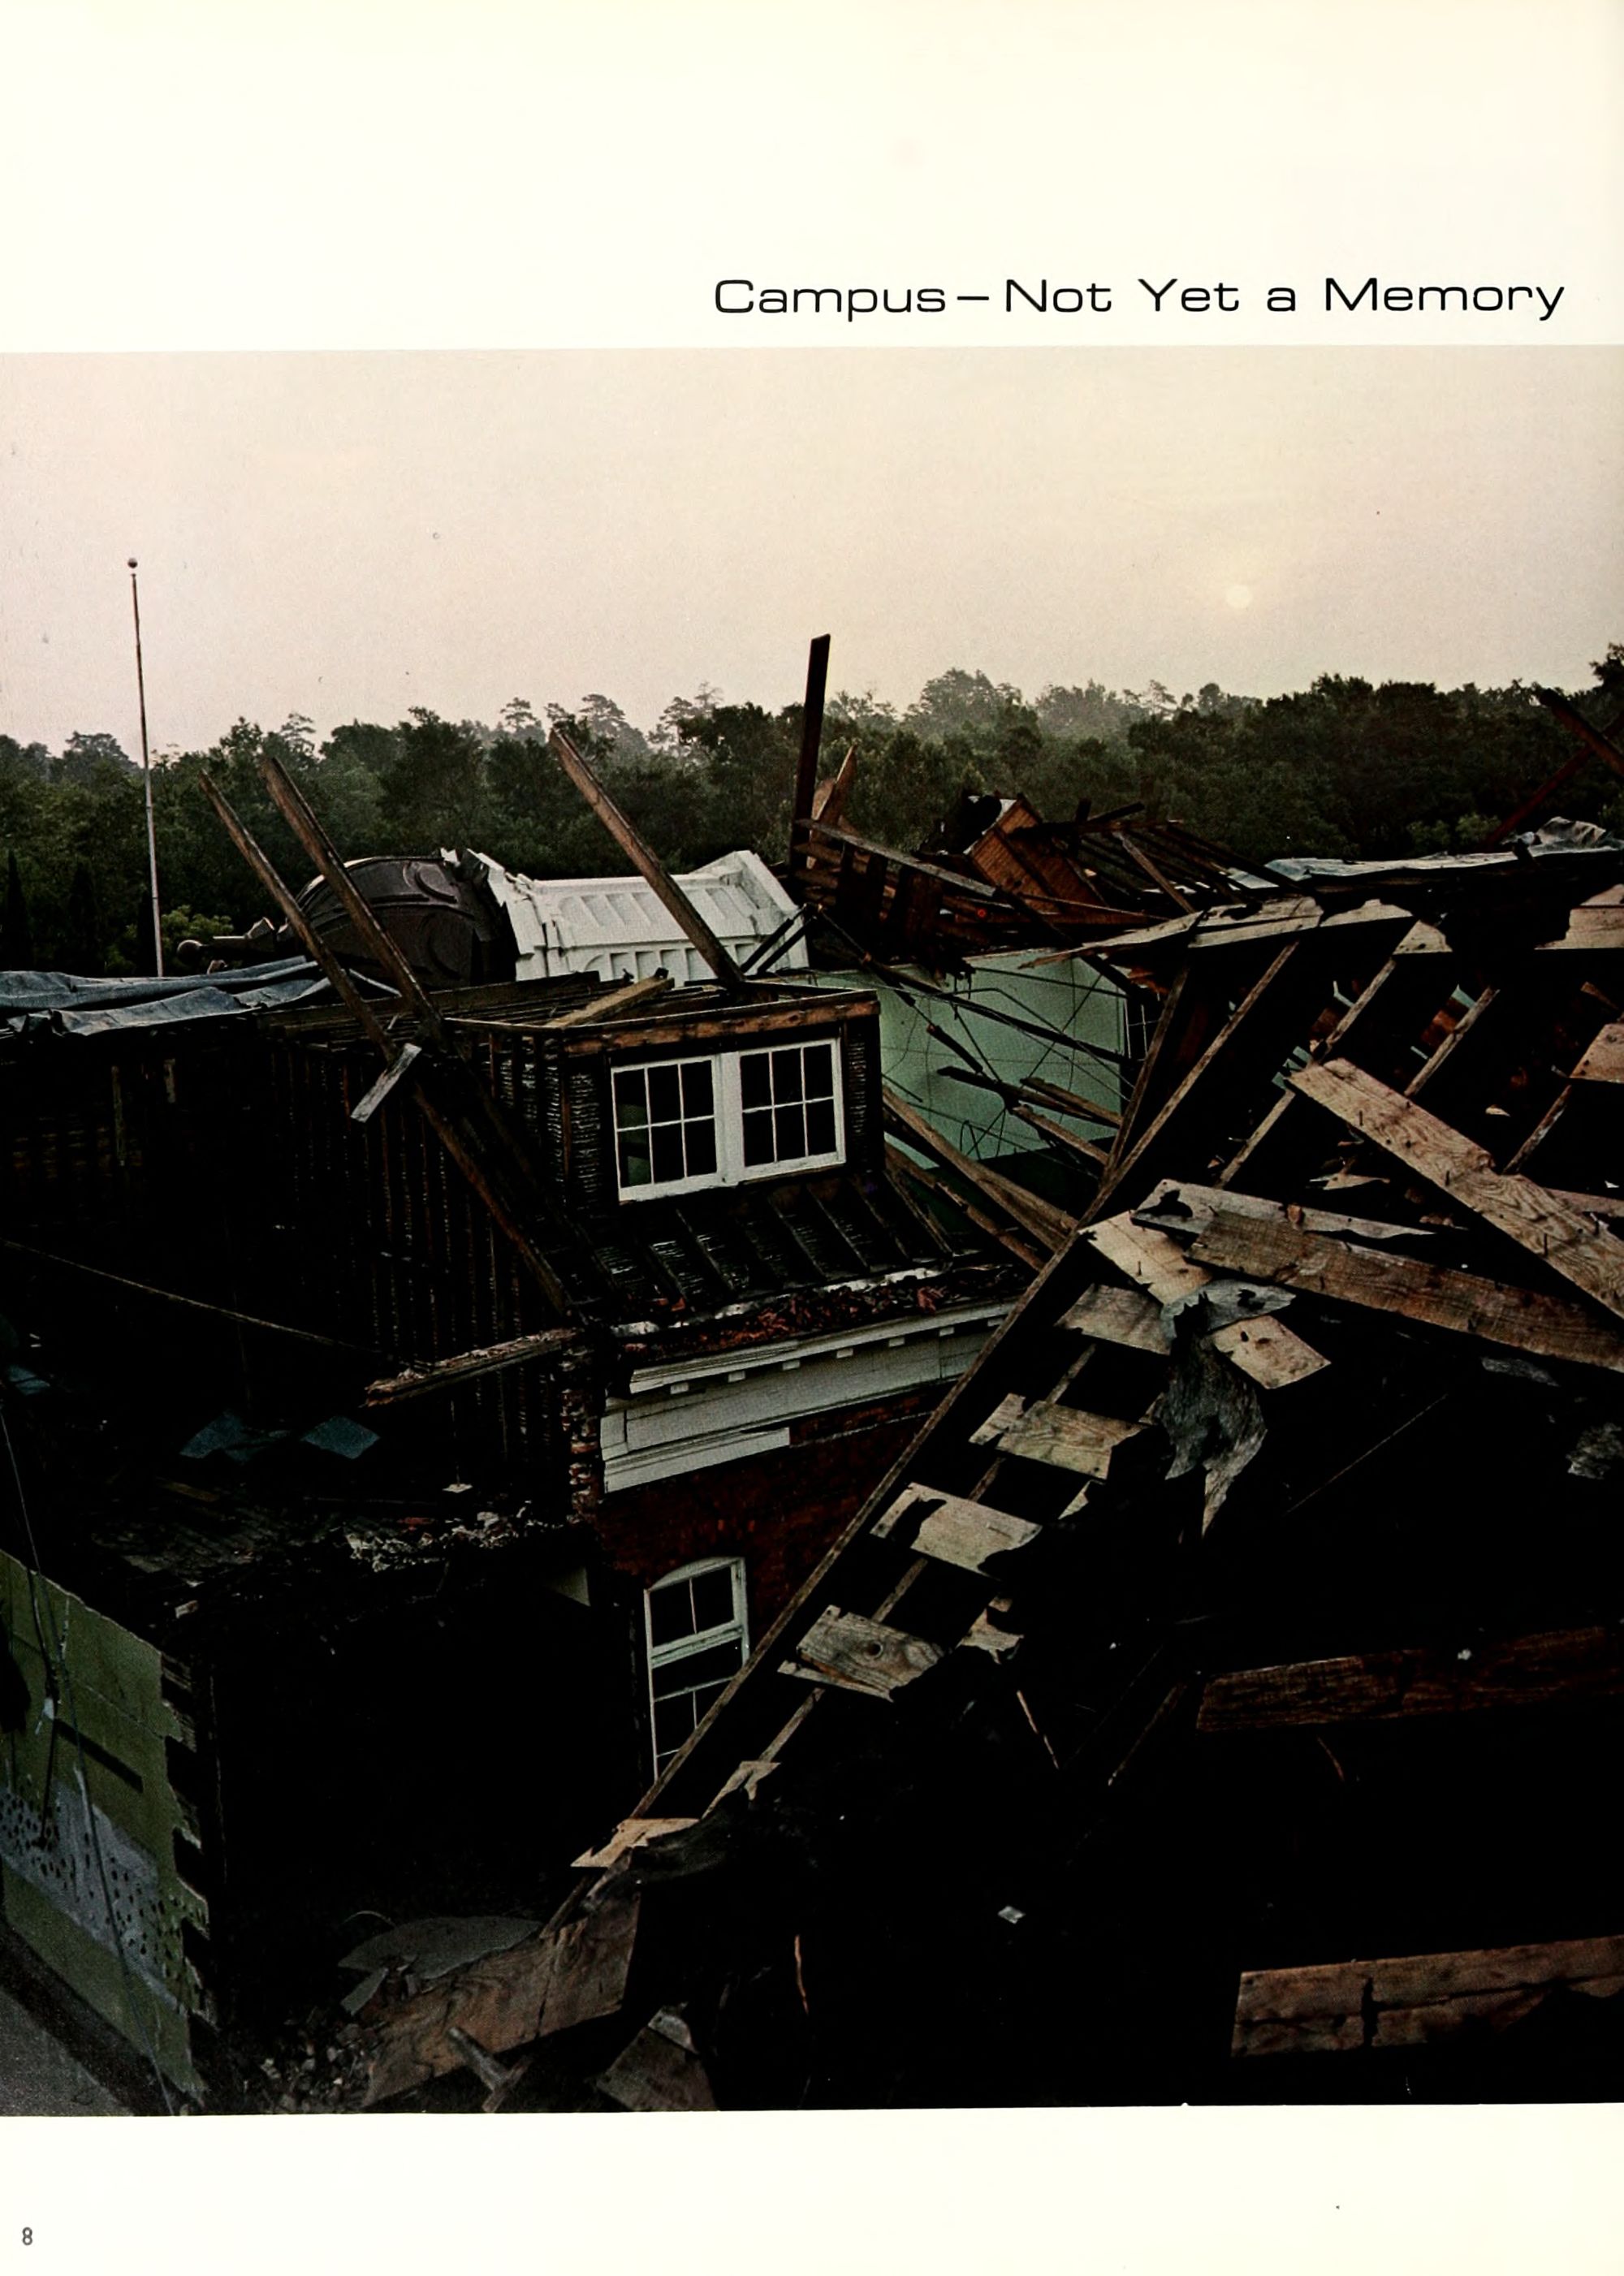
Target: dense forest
{"type": "Point", "coordinates": [1344, 767]}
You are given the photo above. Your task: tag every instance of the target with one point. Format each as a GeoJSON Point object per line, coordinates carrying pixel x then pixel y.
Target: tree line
{"type": "Point", "coordinates": [1345, 767]}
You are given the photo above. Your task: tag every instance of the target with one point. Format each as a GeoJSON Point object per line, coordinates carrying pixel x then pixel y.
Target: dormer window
{"type": "Point", "coordinates": [665, 1125]}
{"type": "Point", "coordinates": [682, 1124]}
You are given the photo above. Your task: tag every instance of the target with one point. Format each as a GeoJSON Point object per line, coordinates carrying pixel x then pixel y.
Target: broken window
{"type": "Point", "coordinates": [680, 1124]}
{"type": "Point", "coordinates": [698, 1640]}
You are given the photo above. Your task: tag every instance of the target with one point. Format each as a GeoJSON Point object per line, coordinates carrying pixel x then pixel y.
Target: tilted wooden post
{"type": "Point", "coordinates": [643, 857]}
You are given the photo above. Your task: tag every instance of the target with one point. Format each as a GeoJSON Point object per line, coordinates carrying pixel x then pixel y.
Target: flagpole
{"type": "Point", "coordinates": [152, 835]}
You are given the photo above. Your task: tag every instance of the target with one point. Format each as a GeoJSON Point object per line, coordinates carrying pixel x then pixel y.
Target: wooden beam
{"type": "Point", "coordinates": [902, 1165]}
{"type": "Point", "coordinates": [1568, 1241]}
{"type": "Point", "coordinates": [1047, 1225]}
{"type": "Point", "coordinates": [460, 1142]}
{"type": "Point", "coordinates": [973, 889]}
{"type": "Point", "coordinates": [497, 2002]}
{"type": "Point", "coordinates": [614, 1002]}
{"type": "Point", "coordinates": [1600, 746]}
{"type": "Point", "coordinates": [1062, 1438]}
{"type": "Point", "coordinates": [1150, 1259]}
{"type": "Point", "coordinates": [811, 1008]}
{"type": "Point", "coordinates": [1554, 1668]}
{"type": "Point", "coordinates": [462, 1367]}
{"type": "Point", "coordinates": [1256, 1037]}
{"type": "Point", "coordinates": [829, 799]}
{"type": "Point", "coordinates": [360, 1007]}
{"type": "Point", "coordinates": [953, 1530]}
{"type": "Point", "coordinates": [1067, 1140]}
{"type": "Point", "coordinates": [1178, 1207]}
{"type": "Point", "coordinates": [631, 1833]}
{"type": "Point", "coordinates": [396, 1072]}
{"type": "Point", "coordinates": [187, 1303]}
{"type": "Point", "coordinates": [1532, 805]}
{"type": "Point", "coordinates": [1355, 2004]}
{"type": "Point", "coordinates": [484, 1122]}
{"type": "Point", "coordinates": [1463, 1303]}
{"type": "Point", "coordinates": [1070, 1101]}
{"type": "Point", "coordinates": [1123, 1316]}
{"type": "Point", "coordinates": [1604, 1060]}
{"type": "Point", "coordinates": [1416, 980]}
{"type": "Point", "coordinates": [1268, 1352]}
{"type": "Point", "coordinates": [811, 733]}
{"type": "Point", "coordinates": [642, 857]}
{"type": "Point", "coordinates": [858, 1654]}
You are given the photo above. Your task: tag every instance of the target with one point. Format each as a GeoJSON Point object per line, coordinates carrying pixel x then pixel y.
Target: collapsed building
{"type": "Point", "coordinates": [376, 1354]}
{"type": "Point", "coordinates": [1209, 1703]}
{"type": "Point", "coordinates": [447, 1374]}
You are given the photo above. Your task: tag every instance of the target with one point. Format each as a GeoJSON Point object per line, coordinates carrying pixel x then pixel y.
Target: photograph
{"type": "Point", "coordinates": [811, 1209]}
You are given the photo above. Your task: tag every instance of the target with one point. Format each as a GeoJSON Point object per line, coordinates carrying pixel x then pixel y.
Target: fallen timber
{"type": "Point", "coordinates": [1256, 1600]}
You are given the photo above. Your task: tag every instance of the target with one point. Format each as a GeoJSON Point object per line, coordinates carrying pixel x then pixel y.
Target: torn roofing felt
{"type": "Point", "coordinates": [1218, 1685]}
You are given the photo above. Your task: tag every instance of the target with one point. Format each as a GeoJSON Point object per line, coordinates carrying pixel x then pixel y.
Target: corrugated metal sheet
{"type": "Point", "coordinates": [616, 928]}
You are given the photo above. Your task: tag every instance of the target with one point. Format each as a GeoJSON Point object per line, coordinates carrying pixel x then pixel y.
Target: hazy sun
{"type": "Point", "coordinates": [1239, 597]}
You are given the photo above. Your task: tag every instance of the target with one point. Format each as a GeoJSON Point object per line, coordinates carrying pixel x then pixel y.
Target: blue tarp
{"type": "Point", "coordinates": [67, 1004]}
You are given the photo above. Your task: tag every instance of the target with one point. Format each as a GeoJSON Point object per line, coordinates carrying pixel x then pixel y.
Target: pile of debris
{"type": "Point", "coordinates": [1209, 1703]}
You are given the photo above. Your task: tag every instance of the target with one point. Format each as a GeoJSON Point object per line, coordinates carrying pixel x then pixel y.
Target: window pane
{"type": "Point", "coordinates": [670, 1611]}
{"type": "Point", "coordinates": [686, 1673]}
{"type": "Point", "coordinates": [713, 1598]}
{"type": "Point", "coordinates": [754, 1088]}
{"type": "Point", "coordinates": [785, 1075]}
{"type": "Point", "coordinates": [696, 1097]}
{"type": "Point", "coordinates": [630, 1107]}
{"type": "Point", "coordinates": [667, 1143]}
{"type": "Point", "coordinates": [701, 1145]}
{"type": "Point", "coordinates": [673, 1719]}
{"type": "Point", "coordinates": [790, 1128]}
{"type": "Point", "coordinates": [821, 1125]}
{"type": "Point", "coordinates": [819, 1063]}
{"type": "Point", "coordinates": [665, 1095]}
{"type": "Point", "coordinates": [634, 1169]}
{"type": "Point", "coordinates": [757, 1137]}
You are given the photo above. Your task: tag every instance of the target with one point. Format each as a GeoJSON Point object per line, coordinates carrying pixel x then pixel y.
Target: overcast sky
{"type": "Point", "coordinates": [349, 535]}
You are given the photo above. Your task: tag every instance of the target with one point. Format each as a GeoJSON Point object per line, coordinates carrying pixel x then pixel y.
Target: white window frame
{"type": "Point", "coordinates": [661, 1656]}
{"type": "Point", "coordinates": [727, 1102]}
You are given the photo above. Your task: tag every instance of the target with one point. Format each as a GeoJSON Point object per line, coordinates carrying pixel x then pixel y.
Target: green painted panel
{"type": "Point", "coordinates": [1079, 1003]}
{"type": "Point", "coordinates": [88, 1818]}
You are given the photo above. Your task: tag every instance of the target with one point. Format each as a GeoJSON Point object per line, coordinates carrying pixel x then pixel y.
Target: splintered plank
{"type": "Point", "coordinates": [1155, 1261]}
{"type": "Point", "coordinates": [1183, 1209]}
{"type": "Point", "coordinates": [858, 1654]}
{"type": "Point", "coordinates": [1064, 1437]}
{"type": "Point", "coordinates": [1549, 1327]}
{"type": "Point", "coordinates": [1527, 1670]}
{"type": "Point", "coordinates": [1257, 1033]}
{"type": "Point", "coordinates": [1414, 1999]}
{"type": "Point", "coordinates": [1568, 1241]}
{"type": "Point", "coordinates": [1119, 1315]}
{"type": "Point", "coordinates": [1604, 1060]}
{"type": "Point", "coordinates": [1048, 1225]}
{"type": "Point", "coordinates": [1416, 978]}
{"type": "Point", "coordinates": [662, 2069]}
{"type": "Point", "coordinates": [1267, 1352]}
{"type": "Point", "coordinates": [631, 1833]}
{"type": "Point", "coordinates": [953, 1530]}
{"type": "Point", "coordinates": [567, 1975]}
